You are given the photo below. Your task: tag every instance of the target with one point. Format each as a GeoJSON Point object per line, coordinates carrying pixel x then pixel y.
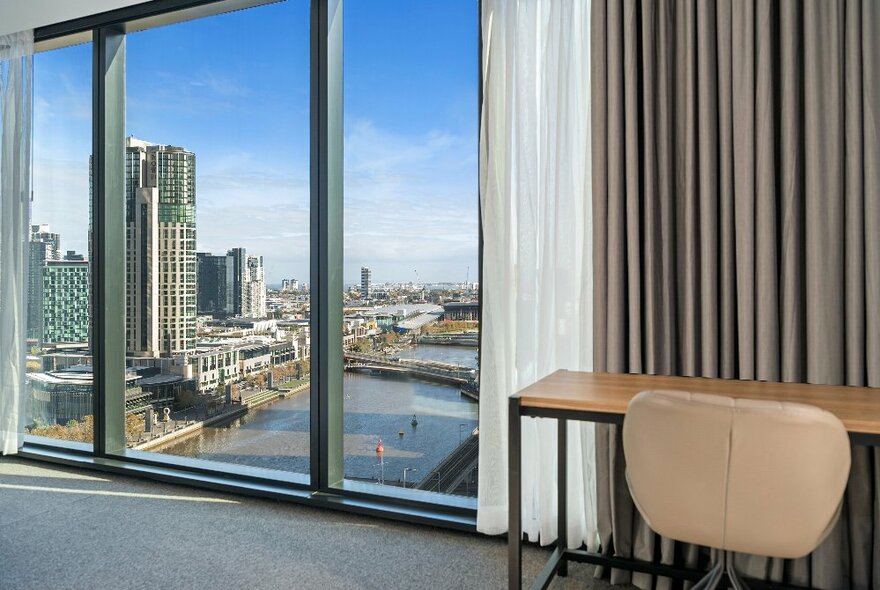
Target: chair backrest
{"type": "Point", "coordinates": [735, 474]}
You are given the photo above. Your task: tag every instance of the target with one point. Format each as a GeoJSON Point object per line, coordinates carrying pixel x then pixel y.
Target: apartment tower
{"type": "Point", "coordinates": [366, 283]}
{"type": "Point", "coordinates": [231, 285]}
{"type": "Point", "coordinates": [160, 191]}
{"type": "Point", "coordinates": [64, 297]}
{"type": "Point", "coordinates": [43, 246]}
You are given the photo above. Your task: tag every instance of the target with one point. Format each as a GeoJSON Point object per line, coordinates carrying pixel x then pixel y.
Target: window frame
{"type": "Point", "coordinates": [325, 485]}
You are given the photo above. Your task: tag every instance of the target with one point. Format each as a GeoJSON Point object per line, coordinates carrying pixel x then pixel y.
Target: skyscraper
{"type": "Point", "coordinates": [64, 295]}
{"type": "Point", "coordinates": [231, 285]}
{"type": "Point", "coordinates": [42, 246]}
{"type": "Point", "coordinates": [366, 282]}
{"type": "Point", "coordinates": [253, 287]}
{"type": "Point", "coordinates": [160, 193]}
{"type": "Point", "coordinates": [212, 295]}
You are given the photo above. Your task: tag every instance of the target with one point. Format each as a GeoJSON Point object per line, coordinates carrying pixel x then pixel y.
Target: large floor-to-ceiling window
{"type": "Point", "coordinates": [58, 402]}
{"type": "Point", "coordinates": [239, 213]}
{"type": "Point", "coordinates": [411, 238]}
{"type": "Point", "coordinates": [217, 236]}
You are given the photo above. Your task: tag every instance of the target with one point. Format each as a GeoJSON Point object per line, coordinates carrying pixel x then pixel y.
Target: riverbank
{"type": "Point", "coordinates": [253, 401]}
{"type": "Point", "coordinates": [268, 396]}
{"type": "Point", "coordinates": [278, 436]}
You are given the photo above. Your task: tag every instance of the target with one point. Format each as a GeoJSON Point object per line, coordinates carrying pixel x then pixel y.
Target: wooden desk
{"type": "Point", "coordinates": [604, 397]}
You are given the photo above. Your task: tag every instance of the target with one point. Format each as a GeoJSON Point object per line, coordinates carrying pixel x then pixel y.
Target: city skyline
{"type": "Point", "coordinates": [410, 167]}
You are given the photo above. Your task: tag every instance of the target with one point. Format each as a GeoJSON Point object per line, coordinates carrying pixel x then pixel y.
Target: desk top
{"type": "Point", "coordinates": [857, 407]}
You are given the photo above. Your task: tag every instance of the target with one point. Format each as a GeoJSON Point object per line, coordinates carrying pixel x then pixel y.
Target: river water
{"type": "Point", "coordinates": [276, 436]}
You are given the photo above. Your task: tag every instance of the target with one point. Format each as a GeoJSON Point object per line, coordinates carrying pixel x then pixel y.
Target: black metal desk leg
{"type": "Point", "coordinates": [514, 500]}
{"type": "Point", "coordinates": [562, 488]}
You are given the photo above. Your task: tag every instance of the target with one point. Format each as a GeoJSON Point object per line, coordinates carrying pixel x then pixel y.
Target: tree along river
{"type": "Point", "coordinates": [276, 436]}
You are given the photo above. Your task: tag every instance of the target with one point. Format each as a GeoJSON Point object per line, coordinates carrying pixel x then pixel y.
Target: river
{"type": "Point", "coordinates": [276, 436]}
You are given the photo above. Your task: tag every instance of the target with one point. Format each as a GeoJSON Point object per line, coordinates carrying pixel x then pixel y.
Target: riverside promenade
{"type": "Point", "coordinates": [179, 426]}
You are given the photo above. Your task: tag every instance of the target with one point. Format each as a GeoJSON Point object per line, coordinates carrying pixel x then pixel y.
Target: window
{"type": "Point", "coordinates": [223, 131]}
{"type": "Point", "coordinates": [411, 244]}
{"type": "Point", "coordinates": [258, 216]}
{"type": "Point", "coordinates": [59, 363]}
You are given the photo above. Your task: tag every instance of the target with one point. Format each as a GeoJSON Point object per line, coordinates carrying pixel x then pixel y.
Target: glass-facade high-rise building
{"type": "Point", "coordinates": [43, 245]}
{"type": "Point", "coordinates": [160, 184]}
{"type": "Point", "coordinates": [212, 296]}
{"type": "Point", "coordinates": [64, 301]}
{"type": "Point", "coordinates": [58, 291]}
{"type": "Point", "coordinates": [231, 285]}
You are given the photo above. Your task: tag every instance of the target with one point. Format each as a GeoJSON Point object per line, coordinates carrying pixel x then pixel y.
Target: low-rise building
{"type": "Point", "coordinates": [57, 397]}
{"type": "Point", "coordinates": [214, 366]}
{"type": "Point", "coordinates": [253, 358]}
{"type": "Point", "coordinates": [461, 310]}
{"type": "Point", "coordinates": [247, 324]}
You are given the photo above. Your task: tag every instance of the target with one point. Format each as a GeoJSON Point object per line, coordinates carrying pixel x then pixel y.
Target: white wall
{"type": "Point", "coordinates": [18, 15]}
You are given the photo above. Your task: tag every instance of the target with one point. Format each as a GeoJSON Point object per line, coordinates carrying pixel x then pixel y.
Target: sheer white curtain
{"type": "Point", "coordinates": [16, 66]}
{"type": "Point", "coordinates": [537, 257]}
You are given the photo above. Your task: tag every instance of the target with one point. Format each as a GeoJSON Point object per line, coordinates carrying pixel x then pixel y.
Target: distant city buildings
{"type": "Point", "coordinates": [160, 187]}
{"type": "Point", "coordinates": [253, 286]}
{"type": "Point", "coordinates": [58, 291]}
{"type": "Point", "coordinates": [65, 300]}
{"type": "Point", "coordinates": [43, 245]}
{"type": "Point", "coordinates": [233, 284]}
{"type": "Point", "coordinates": [366, 282]}
{"type": "Point", "coordinates": [290, 285]}
{"type": "Point", "coordinates": [461, 310]}
{"type": "Point", "coordinates": [213, 296]}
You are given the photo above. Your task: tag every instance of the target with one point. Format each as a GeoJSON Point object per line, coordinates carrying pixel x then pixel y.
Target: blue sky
{"type": "Point", "coordinates": [235, 90]}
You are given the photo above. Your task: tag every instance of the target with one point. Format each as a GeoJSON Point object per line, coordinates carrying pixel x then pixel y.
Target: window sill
{"type": "Point", "coordinates": [452, 512]}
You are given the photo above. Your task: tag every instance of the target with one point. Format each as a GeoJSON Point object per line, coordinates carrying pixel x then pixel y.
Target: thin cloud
{"type": "Point", "coordinates": [410, 204]}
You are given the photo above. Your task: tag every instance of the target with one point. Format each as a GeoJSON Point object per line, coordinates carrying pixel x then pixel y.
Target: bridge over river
{"type": "Point", "coordinates": [463, 377]}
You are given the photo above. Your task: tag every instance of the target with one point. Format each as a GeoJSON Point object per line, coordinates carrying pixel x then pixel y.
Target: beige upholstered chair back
{"type": "Point", "coordinates": [735, 474]}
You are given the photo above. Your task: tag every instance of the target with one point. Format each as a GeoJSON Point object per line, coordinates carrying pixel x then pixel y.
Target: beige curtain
{"type": "Point", "coordinates": [736, 206]}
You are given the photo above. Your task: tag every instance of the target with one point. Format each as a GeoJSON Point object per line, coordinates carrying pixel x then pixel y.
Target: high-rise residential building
{"type": "Point", "coordinates": [213, 298]}
{"type": "Point", "coordinates": [43, 245]}
{"type": "Point", "coordinates": [64, 295]}
{"type": "Point", "coordinates": [160, 193]}
{"type": "Point", "coordinates": [366, 282]}
{"type": "Point", "coordinates": [253, 287]}
{"type": "Point", "coordinates": [231, 285]}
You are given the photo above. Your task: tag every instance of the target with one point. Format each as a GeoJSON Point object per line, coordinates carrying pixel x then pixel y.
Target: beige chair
{"type": "Point", "coordinates": [741, 475]}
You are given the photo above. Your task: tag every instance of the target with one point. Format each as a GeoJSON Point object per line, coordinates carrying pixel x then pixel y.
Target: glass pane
{"type": "Point", "coordinates": [217, 260]}
{"type": "Point", "coordinates": [59, 362]}
{"type": "Point", "coordinates": [411, 244]}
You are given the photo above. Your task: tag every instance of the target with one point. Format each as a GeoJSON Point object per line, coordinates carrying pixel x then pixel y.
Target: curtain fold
{"type": "Point", "coordinates": [16, 64]}
{"type": "Point", "coordinates": [736, 204]}
{"type": "Point", "coordinates": [535, 208]}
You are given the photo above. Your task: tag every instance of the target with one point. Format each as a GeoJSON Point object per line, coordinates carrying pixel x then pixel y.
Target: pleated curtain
{"type": "Point", "coordinates": [736, 228]}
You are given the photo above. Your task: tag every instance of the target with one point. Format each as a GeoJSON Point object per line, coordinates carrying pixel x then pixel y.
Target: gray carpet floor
{"type": "Point", "coordinates": [66, 528]}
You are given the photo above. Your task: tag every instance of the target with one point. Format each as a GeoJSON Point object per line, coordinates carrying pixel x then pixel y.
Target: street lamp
{"type": "Point", "coordinates": [468, 479]}
{"type": "Point", "coordinates": [460, 427]}
{"type": "Point", "coordinates": [405, 469]}
{"type": "Point", "coordinates": [381, 478]}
